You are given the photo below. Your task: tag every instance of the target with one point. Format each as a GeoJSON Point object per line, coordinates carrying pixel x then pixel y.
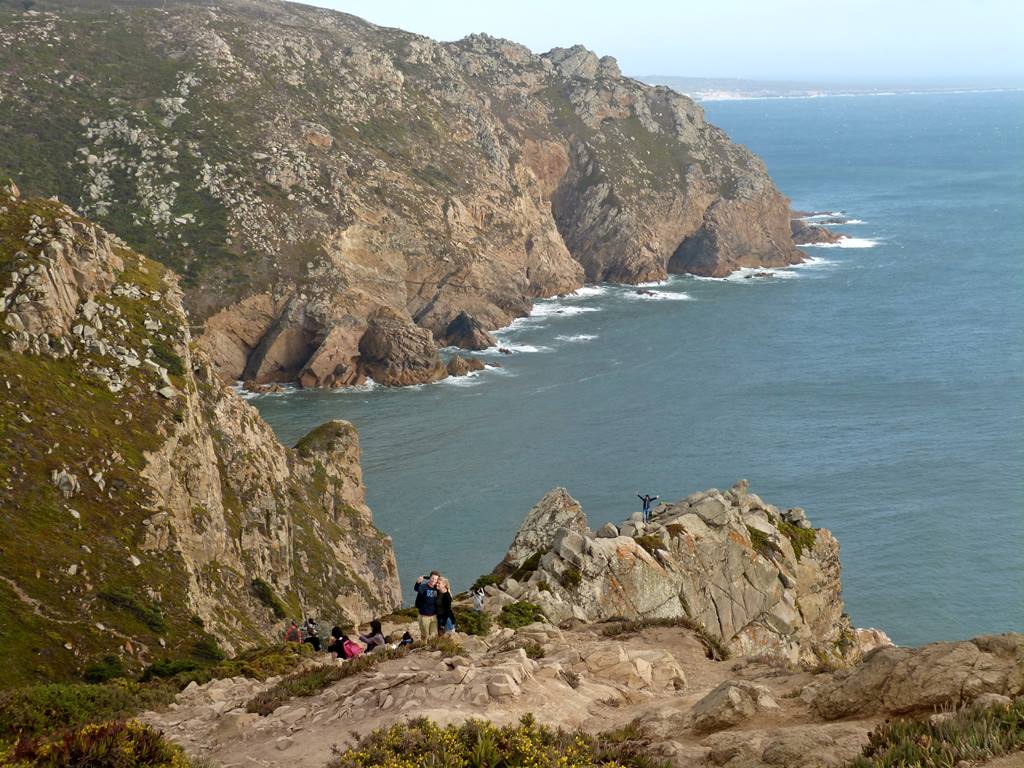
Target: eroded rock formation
{"type": "Point", "coordinates": [146, 506]}
{"type": "Point", "coordinates": [374, 172]}
{"type": "Point", "coordinates": [758, 577]}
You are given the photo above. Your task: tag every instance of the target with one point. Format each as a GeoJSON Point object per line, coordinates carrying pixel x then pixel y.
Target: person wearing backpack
{"type": "Point", "coordinates": [311, 634]}
{"type": "Point", "coordinates": [292, 634]}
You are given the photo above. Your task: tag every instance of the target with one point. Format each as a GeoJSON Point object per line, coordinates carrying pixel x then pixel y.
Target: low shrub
{"type": "Point", "coordinates": [519, 614]}
{"type": "Point", "coordinates": [116, 744]}
{"type": "Point", "coordinates": [759, 541]}
{"type": "Point", "coordinates": [801, 538]}
{"type": "Point", "coordinates": [38, 709]}
{"type": "Point", "coordinates": [487, 580]}
{"type": "Point", "coordinates": [571, 578]}
{"type": "Point", "coordinates": [472, 622]}
{"type": "Point", "coordinates": [145, 611]}
{"type": "Point", "coordinates": [207, 649]}
{"type": "Point", "coordinates": [572, 679]}
{"type": "Point", "coordinates": [543, 586]}
{"type": "Point", "coordinates": [650, 542]}
{"type": "Point", "coordinates": [529, 565]}
{"type": "Point", "coordinates": [266, 595]}
{"type": "Point", "coordinates": [970, 735]}
{"type": "Point", "coordinates": [534, 651]}
{"type": "Point", "coordinates": [103, 670]}
{"type": "Point", "coordinates": [421, 743]}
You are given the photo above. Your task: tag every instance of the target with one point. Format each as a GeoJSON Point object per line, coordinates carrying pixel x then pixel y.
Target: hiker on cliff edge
{"type": "Point", "coordinates": [427, 603]}
{"type": "Point", "coordinates": [648, 501]}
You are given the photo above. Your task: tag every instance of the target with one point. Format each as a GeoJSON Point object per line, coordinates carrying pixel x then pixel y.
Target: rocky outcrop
{"type": "Point", "coordinates": [556, 511]}
{"type": "Point", "coordinates": [466, 332]}
{"type": "Point", "coordinates": [731, 703]}
{"type": "Point", "coordinates": [460, 366]}
{"type": "Point", "coordinates": [759, 578]}
{"type": "Point", "coordinates": [914, 680]}
{"type": "Point", "coordinates": [396, 353]}
{"type": "Point", "coordinates": [158, 511]}
{"type": "Point", "coordinates": [445, 184]}
{"type": "Point", "coordinates": [812, 234]}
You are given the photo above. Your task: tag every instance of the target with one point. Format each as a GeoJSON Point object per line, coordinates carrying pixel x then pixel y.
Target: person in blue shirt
{"type": "Point", "coordinates": [648, 501]}
{"type": "Point", "coordinates": [427, 594]}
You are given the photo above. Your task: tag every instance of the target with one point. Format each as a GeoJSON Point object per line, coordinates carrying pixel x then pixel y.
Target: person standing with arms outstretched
{"type": "Point", "coordinates": [648, 501]}
{"type": "Point", "coordinates": [426, 603]}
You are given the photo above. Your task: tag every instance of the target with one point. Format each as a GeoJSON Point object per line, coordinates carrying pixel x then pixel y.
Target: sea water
{"type": "Point", "coordinates": [880, 386]}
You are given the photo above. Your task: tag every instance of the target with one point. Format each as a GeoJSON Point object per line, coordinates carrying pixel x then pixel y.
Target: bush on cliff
{"type": "Point", "coordinates": [968, 736]}
{"type": "Point", "coordinates": [421, 743]}
{"type": "Point", "coordinates": [519, 614]}
{"type": "Point", "coordinates": [472, 622]}
{"type": "Point", "coordinates": [116, 744]}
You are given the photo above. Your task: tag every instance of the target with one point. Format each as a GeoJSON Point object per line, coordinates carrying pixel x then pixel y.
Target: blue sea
{"type": "Point", "coordinates": [880, 387]}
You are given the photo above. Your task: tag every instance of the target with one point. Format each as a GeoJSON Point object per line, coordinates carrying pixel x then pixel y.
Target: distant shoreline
{"type": "Point", "coordinates": [726, 96]}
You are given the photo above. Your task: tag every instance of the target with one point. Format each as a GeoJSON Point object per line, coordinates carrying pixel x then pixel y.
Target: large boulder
{"type": "Point", "coordinates": [556, 511]}
{"type": "Point", "coordinates": [460, 366]}
{"type": "Point", "coordinates": [907, 680]}
{"type": "Point", "coordinates": [731, 703]}
{"type": "Point", "coordinates": [396, 353]}
{"type": "Point", "coordinates": [466, 332]}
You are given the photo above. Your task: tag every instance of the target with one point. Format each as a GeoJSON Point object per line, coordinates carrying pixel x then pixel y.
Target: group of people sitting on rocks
{"type": "Point", "coordinates": [341, 645]}
{"type": "Point", "coordinates": [436, 617]}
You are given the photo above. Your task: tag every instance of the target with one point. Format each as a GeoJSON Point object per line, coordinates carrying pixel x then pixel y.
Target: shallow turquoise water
{"type": "Point", "coordinates": [879, 388]}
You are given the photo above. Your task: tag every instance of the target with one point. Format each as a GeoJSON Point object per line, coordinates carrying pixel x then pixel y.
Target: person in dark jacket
{"type": "Point", "coordinates": [445, 615]}
{"type": "Point", "coordinates": [648, 501]}
{"type": "Point", "coordinates": [426, 604]}
{"type": "Point", "coordinates": [375, 639]}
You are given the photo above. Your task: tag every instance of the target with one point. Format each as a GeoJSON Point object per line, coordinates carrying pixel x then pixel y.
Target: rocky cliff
{"type": "Point", "coordinates": [336, 194]}
{"type": "Point", "coordinates": [758, 578]}
{"type": "Point", "coordinates": [144, 508]}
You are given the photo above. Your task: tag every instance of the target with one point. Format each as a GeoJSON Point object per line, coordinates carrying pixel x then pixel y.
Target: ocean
{"type": "Point", "coordinates": [880, 386]}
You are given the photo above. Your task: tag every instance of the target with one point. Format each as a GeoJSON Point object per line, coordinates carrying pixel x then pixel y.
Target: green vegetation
{"type": "Point", "coordinates": [481, 744]}
{"type": "Point", "coordinates": [487, 580]}
{"type": "Point", "coordinates": [802, 539]}
{"type": "Point", "coordinates": [759, 541]}
{"type": "Point", "coordinates": [519, 614]}
{"type": "Point", "coordinates": [972, 735]}
{"type": "Point", "coordinates": [266, 595]}
{"type": "Point", "coordinates": [143, 610]}
{"type": "Point", "coordinates": [116, 744]}
{"type": "Point", "coordinates": [650, 542]}
{"type": "Point", "coordinates": [528, 566]}
{"type": "Point", "coordinates": [34, 710]}
{"type": "Point", "coordinates": [571, 578]}
{"type": "Point", "coordinates": [471, 622]}
{"type": "Point", "coordinates": [715, 649]}
{"type": "Point", "coordinates": [105, 669]}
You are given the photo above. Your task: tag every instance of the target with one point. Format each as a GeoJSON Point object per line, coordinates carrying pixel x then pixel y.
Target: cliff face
{"type": "Point", "coordinates": [760, 579]}
{"type": "Point", "coordinates": [309, 174]}
{"type": "Point", "coordinates": [144, 505]}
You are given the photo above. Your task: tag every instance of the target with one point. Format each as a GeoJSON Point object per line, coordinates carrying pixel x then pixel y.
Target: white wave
{"type": "Point", "coordinates": [852, 221]}
{"type": "Point", "coordinates": [826, 215]}
{"type": "Point", "coordinates": [653, 284]}
{"type": "Point", "coordinates": [578, 337]}
{"type": "Point", "coordinates": [513, 347]}
{"type": "Point", "coordinates": [588, 291]}
{"type": "Point", "coordinates": [757, 274]}
{"type": "Point", "coordinates": [551, 308]}
{"type": "Point", "coordinates": [658, 296]}
{"type": "Point", "coordinates": [245, 394]}
{"type": "Point", "coordinates": [470, 379]}
{"type": "Point", "coordinates": [846, 242]}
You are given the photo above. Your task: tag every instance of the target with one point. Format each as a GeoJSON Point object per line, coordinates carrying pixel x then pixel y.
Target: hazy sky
{"type": "Point", "coordinates": [965, 40]}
